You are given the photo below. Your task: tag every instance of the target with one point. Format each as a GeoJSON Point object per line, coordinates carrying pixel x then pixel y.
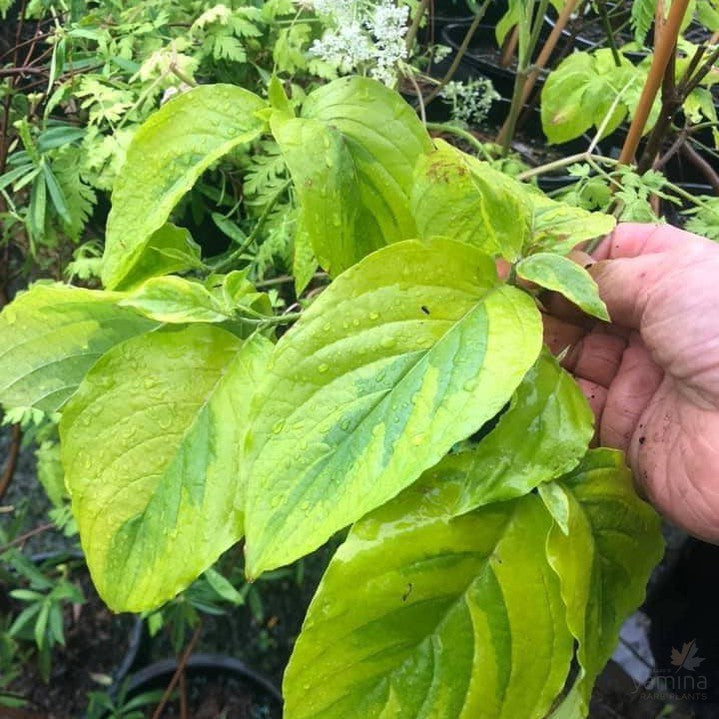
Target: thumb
{"type": "Point", "coordinates": [635, 262]}
{"type": "Point", "coordinates": [626, 285]}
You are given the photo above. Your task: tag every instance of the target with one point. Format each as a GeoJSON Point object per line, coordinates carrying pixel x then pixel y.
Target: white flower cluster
{"type": "Point", "coordinates": [362, 35]}
{"type": "Point", "coordinates": [471, 101]}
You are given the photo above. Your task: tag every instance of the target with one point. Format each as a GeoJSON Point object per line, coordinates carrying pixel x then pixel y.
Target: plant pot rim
{"type": "Point", "coordinates": [220, 662]}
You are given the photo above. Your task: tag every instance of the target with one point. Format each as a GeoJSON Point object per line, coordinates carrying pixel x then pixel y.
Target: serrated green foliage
{"type": "Point", "coordinates": [406, 353]}
{"type": "Point", "coordinates": [642, 18]}
{"type": "Point", "coordinates": [454, 195]}
{"type": "Point", "coordinates": [603, 559]}
{"type": "Point", "coordinates": [557, 273]}
{"type": "Point", "coordinates": [50, 337]}
{"type": "Point", "coordinates": [385, 138]}
{"type": "Point", "coordinates": [424, 614]}
{"type": "Point", "coordinates": [543, 433]}
{"type": "Point", "coordinates": [150, 448]}
{"type": "Point", "coordinates": [704, 220]}
{"type": "Point", "coordinates": [79, 197]}
{"type": "Point", "coordinates": [183, 139]}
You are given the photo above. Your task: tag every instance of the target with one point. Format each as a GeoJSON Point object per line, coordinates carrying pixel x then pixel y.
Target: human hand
{"type": "Point", "coordinates": [652, 376]}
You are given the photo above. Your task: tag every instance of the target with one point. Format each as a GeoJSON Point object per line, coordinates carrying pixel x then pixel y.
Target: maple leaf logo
{"type": "Point", "coordinates": [687, 658]}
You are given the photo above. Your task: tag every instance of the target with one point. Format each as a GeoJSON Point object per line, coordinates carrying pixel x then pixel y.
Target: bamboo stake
{"type": "Point", "coordinates": [663, 51]}
{"type": "Point", "coordinates": [543, 57]}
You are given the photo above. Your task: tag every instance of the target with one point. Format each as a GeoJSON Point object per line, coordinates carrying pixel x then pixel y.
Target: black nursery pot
{"type": "Point", "coordinates": [482, 57]}
{"type": "Point", "coordinates": [457, 11]}
{"type": "Point", "coordinates": [215, 683]}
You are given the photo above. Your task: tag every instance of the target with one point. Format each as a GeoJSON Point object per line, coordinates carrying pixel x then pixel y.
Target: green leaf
{"type": "Point", "coordinates": [50, 472]}
{"type": "Point", "coordinates": [708, 14]}
{"type": "Point", "coordinates": [41, 625]}
{"type": "Point", "coordinates": [278, 97]}
{"type": "Point", "coordinates": [326, 182]}
{"type": "Point", "coordinates": [548, 426]}
{"type": "Point", "coordinates": [50, 337]}
{"type": "Point", "coordinates": [58, 136]}
{"type": "Point", "coordinates": [223, 587]}
{"type": "Point", "coordinates": [385, 138]}
{"type": "Point", "coordinates": [170, 249]}
{"type": "Point", "coordinates": [37, 208]}
{"type": "Point", "coordinates": [405, 354]}
{"type": "Point", "coordinates": [557, 273]}
{"type": "Point", "coordinates": [642, 18]}
{"type": "Point", "coordinates": [167, 154]}
{"type": "Point", "coordinates": [176, 300]}
{"type": "Point", "coordinates": [579, 94]}
{"type": "Point", "coordinates": [12, 175]}
{"type": "Point", "coordinates": [304, 262]}
{"type": "Point", "coordinates": [56, 194]}
{"type": "Point", "coordinates": [457, 196]}
{"type": "Point", "coordinates": [604, 561]}
{"type": "Point", "coordinates": [150, 448]}
{"type": "Point", "coordinates": [454, 195]}
{"type": "Point", "coordinates": [559, 227]}
{"type": "Point", "coordinates": [422, 614]}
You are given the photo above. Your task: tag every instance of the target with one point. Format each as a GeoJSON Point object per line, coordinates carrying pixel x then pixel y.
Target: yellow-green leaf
{"type": "Point", "coordinates": [150, 445]}
{"type": "Point", "coordinates": [423, 614]}
{"type": "Point", "coordinates": [167, 154]}
{"type": "Point", "coordinates": [557, 273]}
{"type": "Point", "coordinates": [406, 353]}
{"type": "Point", "coordinates": [544, 433]}
{"type": "Point", "coordinates": [603, 555]}
{"type": "Point", "coordinates": [456, 196]}
{"type": "Point", "coordinates": [51, 335]}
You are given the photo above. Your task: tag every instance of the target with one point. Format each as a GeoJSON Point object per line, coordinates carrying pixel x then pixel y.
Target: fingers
{"type": "Point", "coordinates": [596, 396]}
{"type": "Point", "coordinates": [634, 239]}
{"type": "Point", "coordinates": [635, 383]}
{"type": "Point", "coordinates": [560, 335]}
{"type": "Point", "coordinates": [597, 357]}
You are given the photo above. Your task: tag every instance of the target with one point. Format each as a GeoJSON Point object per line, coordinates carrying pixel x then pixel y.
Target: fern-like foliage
{"type": "Point", "coordinates": [79, 196]}
{"type": "Point", "coordinates": [642, 17]}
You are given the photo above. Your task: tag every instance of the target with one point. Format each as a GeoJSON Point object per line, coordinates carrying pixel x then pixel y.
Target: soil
{"type": "Point", "coordinates": [96, 643]}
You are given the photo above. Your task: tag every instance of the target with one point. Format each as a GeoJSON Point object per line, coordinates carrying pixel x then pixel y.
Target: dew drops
{"type": "Point", "coordinates": [374, 315]}
{"type": "Point", "coordinates": [278, 426]}
{"type": "Point", "coordinates": [388, 342]}
{"type": "Point", "coordinates": [323, 368]}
